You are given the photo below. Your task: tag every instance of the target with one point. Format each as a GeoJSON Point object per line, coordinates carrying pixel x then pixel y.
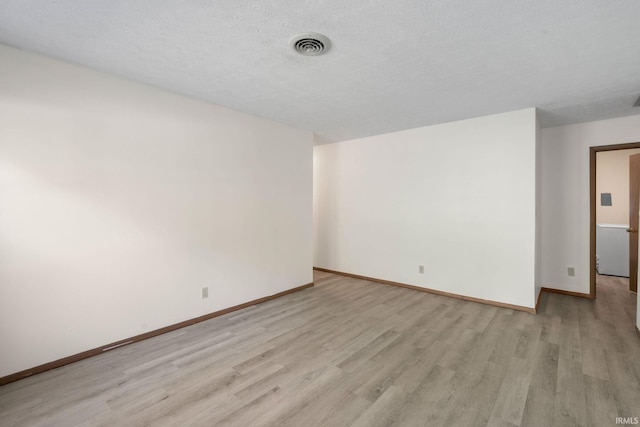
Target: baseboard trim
{"type": "Point", "coordinates": [531, 310]}
{"type": "Point", "coordinates": [99, 350]}
{"type": "Point", "coordinates": [538, 299]}
{"type": "Point", "coordinates": [570, 293]}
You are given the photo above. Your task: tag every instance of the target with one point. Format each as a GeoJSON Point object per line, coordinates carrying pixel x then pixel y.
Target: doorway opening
{"type": "Point", "coordinates": [594, 200]}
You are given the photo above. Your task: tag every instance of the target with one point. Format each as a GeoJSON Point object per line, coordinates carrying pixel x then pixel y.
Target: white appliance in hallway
{"type": "Point", "coordinates": [612, 249]}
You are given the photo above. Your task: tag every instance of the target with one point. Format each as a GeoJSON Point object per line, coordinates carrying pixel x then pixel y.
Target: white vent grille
{"type": "Point", "coordinates": [310, 44]}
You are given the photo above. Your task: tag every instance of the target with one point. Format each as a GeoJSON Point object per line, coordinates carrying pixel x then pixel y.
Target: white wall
{"type": "Point", "coordinates": [118, 202]}
{"type": "Point", "coordinates": [565, 196]}
{"type": "Point", "coordinates": [458, 198]}
{"type": "Point", "coordinates": [538, 265]}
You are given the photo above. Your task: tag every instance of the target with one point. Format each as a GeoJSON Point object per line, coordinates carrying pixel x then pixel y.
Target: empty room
{"type": "Point", "coordinates": [218, 213]}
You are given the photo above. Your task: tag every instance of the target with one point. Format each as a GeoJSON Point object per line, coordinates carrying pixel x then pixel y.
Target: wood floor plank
{"type": "Point", "coordinates": [316, 408]}
{"type": "Point", "coordinates": [384, 410]}
{"type": "Point", "coordinates": [570, 402]}
{"type": "Point", "coordinates": [601, 406]}
{"type": "Point", "coordinates": [349, 408]}
{"type": "Point", "coordinates": [433, 400]}
{"type": "Point", "coordinates": [624, 382]}
{"type": "Point", "coordinates": [512, 396]}
{"type": "Point", "coordinates": [593, 361]}
{"type": "Point", "coordinates": [353, 352]}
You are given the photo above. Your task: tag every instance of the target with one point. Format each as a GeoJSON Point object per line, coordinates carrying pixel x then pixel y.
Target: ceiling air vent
{"type": "Point", "coordinates": [310, 44]}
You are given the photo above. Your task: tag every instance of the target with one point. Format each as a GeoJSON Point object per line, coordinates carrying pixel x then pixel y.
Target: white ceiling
{"type": "Point", "coordinates": [393, 64]}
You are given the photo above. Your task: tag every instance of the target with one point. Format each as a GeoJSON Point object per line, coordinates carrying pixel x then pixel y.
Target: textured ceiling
{"type": "Point", "coordinates": [393, 65]}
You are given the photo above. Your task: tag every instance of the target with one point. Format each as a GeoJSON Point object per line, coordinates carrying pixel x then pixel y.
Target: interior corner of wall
{"type": "Point", "coordinates": [320, 140]}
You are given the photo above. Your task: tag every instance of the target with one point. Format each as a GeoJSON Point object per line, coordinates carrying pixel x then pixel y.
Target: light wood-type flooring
{"type": "Point", "coordinates": [354, 353]}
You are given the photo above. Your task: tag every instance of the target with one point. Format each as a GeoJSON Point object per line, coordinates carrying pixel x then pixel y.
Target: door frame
{"type": "Point", "coordinates": [592, 206]}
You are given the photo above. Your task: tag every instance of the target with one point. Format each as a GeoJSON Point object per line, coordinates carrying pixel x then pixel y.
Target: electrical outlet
{"type": "Point", "coordinates": [205, 292]}
{"type": "Point", "coordinates": [571, 271]}
{"type": "Point", "coordinates": [421, 269]}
